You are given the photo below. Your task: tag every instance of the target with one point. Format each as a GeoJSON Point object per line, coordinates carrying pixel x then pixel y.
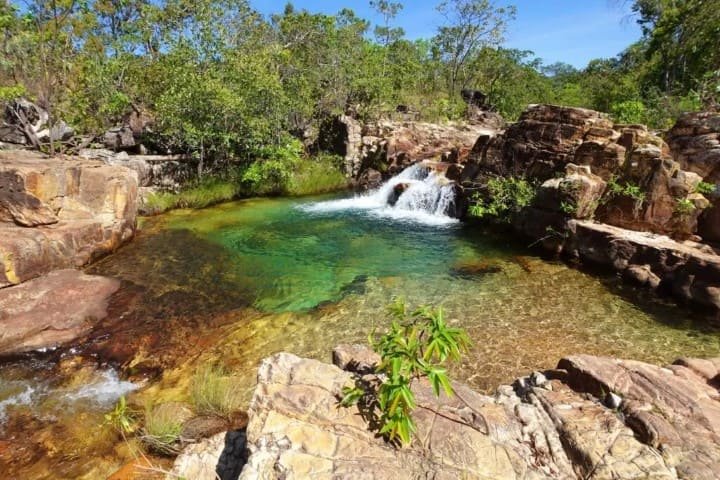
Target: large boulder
{"type": "Point", "coordinates": [52, 310]}
{"type": "Point", "coordinates": [60, 213]}
{"type": "Point", "coordinates": [695, 144]}
{"type": "Point", "coordinates": [577, 194]}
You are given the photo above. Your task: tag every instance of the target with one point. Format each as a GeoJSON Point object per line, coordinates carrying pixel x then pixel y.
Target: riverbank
{"type": "Point", "coordinates": [589, 418]}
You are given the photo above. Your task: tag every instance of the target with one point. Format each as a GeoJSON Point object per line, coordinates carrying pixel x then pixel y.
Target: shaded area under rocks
{"type": "Point", "coordinates": [591, 418]}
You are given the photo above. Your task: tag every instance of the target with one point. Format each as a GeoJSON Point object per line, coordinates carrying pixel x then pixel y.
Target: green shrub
{"type": "Point", "coordinates": [629, 111]}
{"type": "Point", "coordinates": [684, 207]}
{"type": "Point", "coordinates": [208, 191]}
{"type": "Point", "coordinates": [627, 189]}
{"type": "Point", "coordinates": [705, 188]}
{"type": "Point", "coordinates": [508, 195]}
{"type": "Point", "coordinates": [214, 392]}
{"type": "Point", "coordinates": [417, 345]}
{"type": "Point", "coordinates": [122, 418]}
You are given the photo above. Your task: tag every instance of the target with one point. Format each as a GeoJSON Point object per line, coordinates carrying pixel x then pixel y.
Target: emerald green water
{"type": "Point", "coordinates": [235, 283]}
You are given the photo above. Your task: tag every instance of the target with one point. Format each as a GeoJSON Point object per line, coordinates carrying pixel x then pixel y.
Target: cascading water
{"type": "Point", "coordinates": [417, 193]}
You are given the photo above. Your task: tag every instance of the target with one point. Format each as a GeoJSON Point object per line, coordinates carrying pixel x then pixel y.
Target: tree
{"type": "Point", "coordinates": [469, 26]}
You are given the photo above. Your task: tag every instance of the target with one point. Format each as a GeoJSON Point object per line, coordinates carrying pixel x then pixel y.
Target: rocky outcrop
{"type": "Point", "coordinates": [60, 213]}
{"type": "Point", "coordinates": [630, 159]}
{"type": "Point", "coordinates": [695, 144]}
{"type": "Point", "coordinates": [689, 271]}
{"type": "Point", "coordinates": [591, 418]}
{"type": "Point", "coordinates": [52, 310]}
{"type": "Point", "coordinates": [376, 151]}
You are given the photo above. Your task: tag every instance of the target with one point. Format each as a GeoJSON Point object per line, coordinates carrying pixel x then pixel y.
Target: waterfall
{"type": "Point", "coordinates": [416, 194]}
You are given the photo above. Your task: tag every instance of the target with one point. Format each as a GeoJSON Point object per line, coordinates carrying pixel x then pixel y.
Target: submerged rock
{"type": "Point", "coordinates": [52, 310]}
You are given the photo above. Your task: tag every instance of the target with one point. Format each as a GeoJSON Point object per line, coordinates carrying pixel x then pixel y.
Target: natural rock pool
{"type": "Point", "coordinates": [235, 283]}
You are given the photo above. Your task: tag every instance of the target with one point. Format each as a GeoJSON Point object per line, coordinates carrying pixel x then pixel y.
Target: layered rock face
{"type": "Point", "coordinates": [630, 159]}
{"type": "Point", "coordinates": [592, 418]}
{"type": "Point", "coordinates": [60, 213]}
{"type": "Point", "coordinates": [695, 144]}
{"type": "Point", "coordinates": [587, 168]}
{"type": "Point", "coordinates": [375, 152]}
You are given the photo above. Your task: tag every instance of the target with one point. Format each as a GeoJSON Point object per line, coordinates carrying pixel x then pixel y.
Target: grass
{"type": "Point", "coordinates": [320, 174]}
{"type": "Point", "coordinates": [214, 392]}
{"type": "Point", "coordinates": [162, 429]}
{"type": "Point", "coordinates": [204, 194]}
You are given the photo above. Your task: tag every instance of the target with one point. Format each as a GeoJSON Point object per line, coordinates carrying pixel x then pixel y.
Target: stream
{"type": "Point", "coordinates": [235, 283]}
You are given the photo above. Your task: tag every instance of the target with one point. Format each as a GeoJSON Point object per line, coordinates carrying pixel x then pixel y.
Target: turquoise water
{"type": "Point", "coordinates": [235, 283]}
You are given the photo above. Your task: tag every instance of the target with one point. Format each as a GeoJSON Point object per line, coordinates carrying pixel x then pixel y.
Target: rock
{"type": "Point", "coordinates": [61, 131]}
{"type": "Point", "coordinates": [369, 179]}
{"type": "Point", "coordinates": [709, 222]}
{"type": "Point", "coordinates": [693, 274]}
{"type": "Point", "coordinates": [219, 457]}
{"type": "Point", "coordinates": [119, 138]}
{"type": "Point", "coordinates": [577, 194]}
{"type": "Point", "coordinates": [389, 147]}
{"type": "Point", "coordinates": [203, 426]}
{"type": "Point", "coordinates": [19, 206]}
{"type": "Point", "coordinates": [667, 428]}
{"type": "Point", "coordinates": [355, 358]}
{"type": "Point", "coordinates": [695, 144]}
{"type": "Point", "coordinates": [80, 210]}
{"type": "Point", "coordinates": [396, 192]}
{"type": "Point", "coordinates": [12, 134]}
{"type": "Point", "coordinates": [673, 410]}
{"type": "Point", "coordinates": [52, 310]}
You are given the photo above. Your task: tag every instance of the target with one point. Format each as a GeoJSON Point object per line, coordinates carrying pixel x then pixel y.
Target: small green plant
{"type": "Point", "coordinates": [705, 188]}
{"type": "Point", "coordinates": [214, 392]}
{"type": "Point", "coordinates": [122, 418]}
{"type": "Point", "coordinates": [320, 174]}
{"type": "Point", "coordinates": [417, 345]}
{"type": "Point", "coordinates": [568, 208]}
{"type": "Point", "coordinates": [626, 189]}
{"type": "Point", "coordinates": [684, 207]}
{"type": "Point", "coordinates": [161, 430]}
{"type": "Point", "coordinates": [507, 196]}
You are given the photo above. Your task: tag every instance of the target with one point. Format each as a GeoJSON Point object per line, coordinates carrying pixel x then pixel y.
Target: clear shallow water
{"type": "Point", "coordinates": [238, 282]}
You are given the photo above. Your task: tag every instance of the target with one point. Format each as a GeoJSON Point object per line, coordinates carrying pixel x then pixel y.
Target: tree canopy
{"type": "Point", "coordinates": [223, 81]}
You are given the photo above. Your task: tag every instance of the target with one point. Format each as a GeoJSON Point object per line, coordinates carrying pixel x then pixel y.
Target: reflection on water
{"type": "Point", "coordinates": [238, 282]}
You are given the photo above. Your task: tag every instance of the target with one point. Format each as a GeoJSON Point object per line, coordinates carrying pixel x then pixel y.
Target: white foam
{"type": "Point", "coordinates": [25, 397]}
{"type": "Point", "coordinates": [426, 199]}
{"type": "Point", "coordinates": [106, 390]}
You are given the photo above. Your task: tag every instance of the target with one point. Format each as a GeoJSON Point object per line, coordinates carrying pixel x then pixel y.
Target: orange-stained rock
{"type": "Point", "coordinates": [60, 213]}
{"type": "Point", "coordinates": [52, 310]}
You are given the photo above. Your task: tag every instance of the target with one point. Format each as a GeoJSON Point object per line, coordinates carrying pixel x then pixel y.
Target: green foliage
{"type": "Point", "coordinates": [215, 392]}
{"type": "Point", "coordinates": [417, 345]}
{"type": "Point", "coordinates": [684, 207]}
{"type": "Point", "coordinates": [11, 92]}
{"type": "Point", "coordinates": [705, 188]}
{"type": "Point", "coordinates": [122, 418]}
{"type": "Point", "coordinates": [626, 189]}
{"type": "Point", "coordinates": [628, 111]}
{"type": "Point", "coordinates": [321, 174]}
{"type": "Point", "coordinates": [507, 195]}
{"type": "Point", "coordinates": [568, 208]}
{"type": "Point", "coordinates": [208, 191]}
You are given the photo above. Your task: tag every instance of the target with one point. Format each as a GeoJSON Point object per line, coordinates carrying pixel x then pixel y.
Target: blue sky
{"type": "Point", "coordinates": [571, 31]}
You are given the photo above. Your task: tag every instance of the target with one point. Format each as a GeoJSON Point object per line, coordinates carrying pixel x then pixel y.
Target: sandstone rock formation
{"type": "Point", "coordinates": [60, 213]}
{"type": "Point", "coordinates": [548, 138]}
{"type": "Point", "coordinates": [695, 144]}
{"type": "Point", "coordinates": [52, 310]}
{"type": "Point", "coordinates": [592, 418]}
{"type": "Point", "coordinates": [374, 152]}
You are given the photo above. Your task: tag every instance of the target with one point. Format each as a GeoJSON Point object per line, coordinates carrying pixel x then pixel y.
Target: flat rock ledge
{"type": "Point", "coordinates": [591, 418]}
{"type": "Point", "coordinates": [52, 310]}
{"type": "Point", "coordinates": [58, 213]}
